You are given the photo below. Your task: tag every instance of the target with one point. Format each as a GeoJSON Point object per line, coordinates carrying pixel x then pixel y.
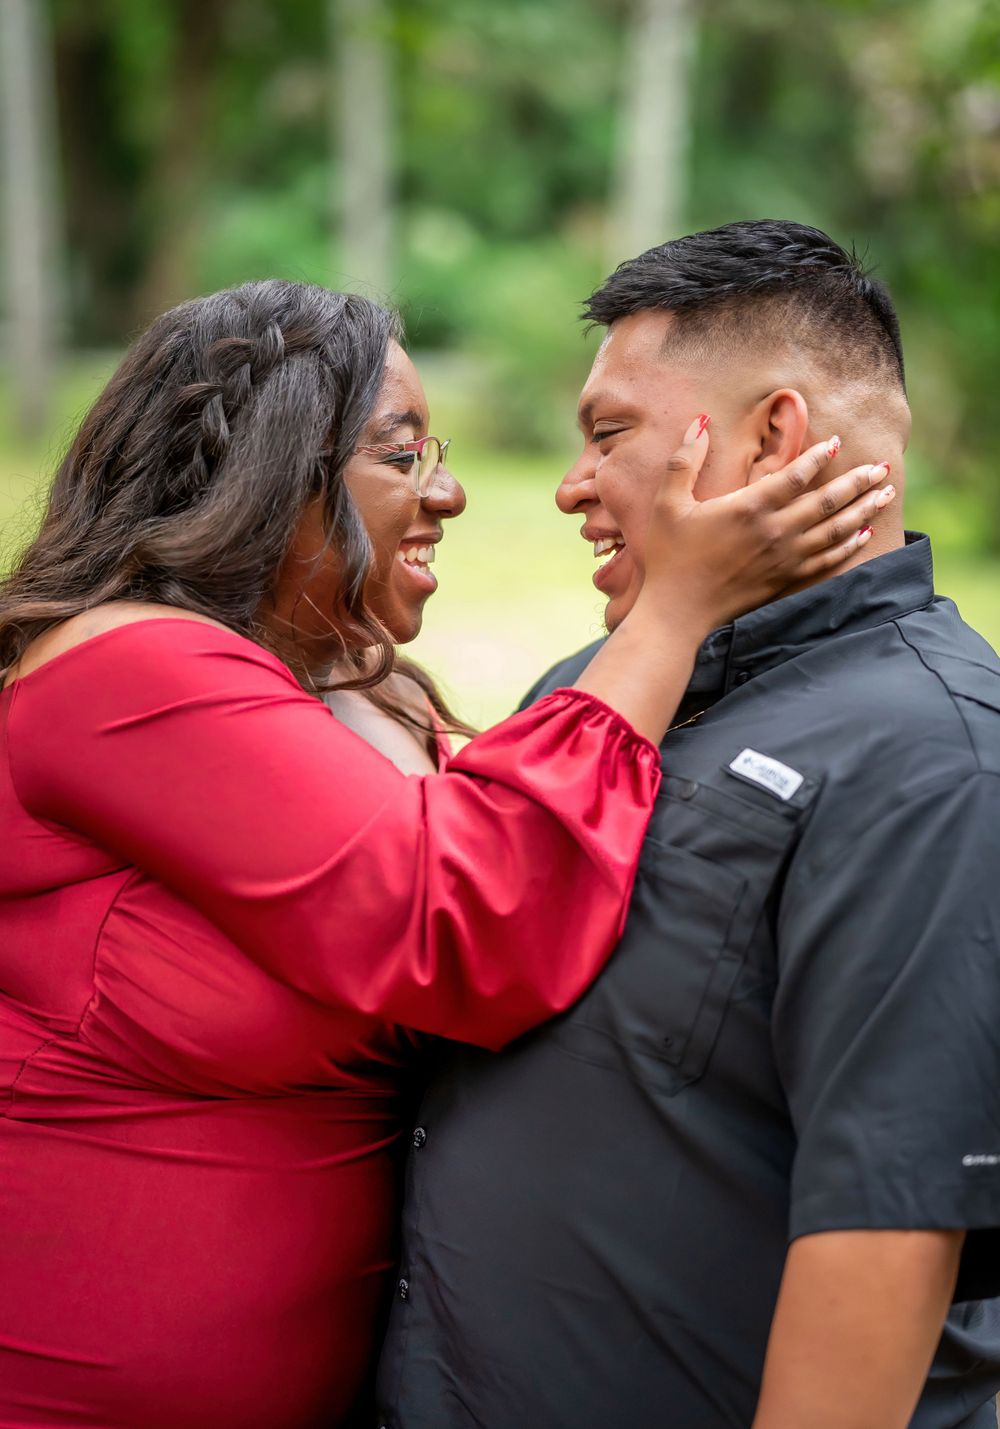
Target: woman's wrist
{"type": "Point", "coordinates": [643, 669]}
{"type": "Point", "coordinates": [671, 611]}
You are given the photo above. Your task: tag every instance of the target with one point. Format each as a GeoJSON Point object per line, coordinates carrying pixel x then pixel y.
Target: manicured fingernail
{"type": "Point", "coordinates": [833, 446]}
{"type": "Point", "coordinates": [884, 497]}
{"type": "Point", "coordinates": [880, 472]}
{"type": "Point", "coordinates": [865, 534]}
{"type": "Point", "coordinates": [696, 428]}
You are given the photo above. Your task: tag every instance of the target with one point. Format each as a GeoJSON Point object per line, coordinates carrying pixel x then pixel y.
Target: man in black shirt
{"type": "Point", "coordinates": [743, 1180]}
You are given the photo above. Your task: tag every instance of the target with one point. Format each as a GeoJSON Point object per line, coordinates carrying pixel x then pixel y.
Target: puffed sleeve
{"type": "Point", "coordinates": [473, 904]}
{"type": "Point", "coordinates": [886, 1024]}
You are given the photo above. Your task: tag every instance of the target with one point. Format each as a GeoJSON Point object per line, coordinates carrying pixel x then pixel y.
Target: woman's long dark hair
{"type": "Point", "coordinates": [189, 475]}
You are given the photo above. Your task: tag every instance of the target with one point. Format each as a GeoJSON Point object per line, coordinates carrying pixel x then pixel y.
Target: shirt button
{"type": "Point", "coordinates": [741, 677]}
{"type": "Point", "coordinates": [419, 1138]}
{"type": "Point", "coordinates": [403, 1290]}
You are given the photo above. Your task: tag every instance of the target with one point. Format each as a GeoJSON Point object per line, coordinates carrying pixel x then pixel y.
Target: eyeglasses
{"type": "Point", "coordinates": [420, 458]}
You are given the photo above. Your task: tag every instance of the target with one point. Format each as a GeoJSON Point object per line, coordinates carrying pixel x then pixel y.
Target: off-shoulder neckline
{"type": "Point", "coordinates": [102, 635]}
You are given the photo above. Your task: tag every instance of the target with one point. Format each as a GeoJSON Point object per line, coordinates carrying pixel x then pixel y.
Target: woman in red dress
{"type": "Point", "coordinates": [223, 916]}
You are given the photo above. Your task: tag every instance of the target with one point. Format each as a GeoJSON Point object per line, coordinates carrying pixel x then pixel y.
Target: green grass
{"type": "Point", "coordinates": [515, 592]}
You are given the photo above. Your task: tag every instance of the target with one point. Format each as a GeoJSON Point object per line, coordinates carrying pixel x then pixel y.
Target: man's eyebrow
{"type": "Point", "coordinates": [586, 409]}
{"type": "Point", "coordinates": [585, 412]}
{"type": "Point", "coordinates": [392, 421]}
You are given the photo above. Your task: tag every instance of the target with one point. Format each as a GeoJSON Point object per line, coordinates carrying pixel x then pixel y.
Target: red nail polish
{"type": "Point", "coordinates": [866, 530]}
{"type": "Point", "coordinates": [703, 421]}
{"type": "Point", "coordinates": [833, 447]}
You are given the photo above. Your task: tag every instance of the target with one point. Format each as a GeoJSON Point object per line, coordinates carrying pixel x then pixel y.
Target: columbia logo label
{"type": "Point", "coordinates": [982, 1158]}
{"type": "Point", "coordinates": [770, 774]}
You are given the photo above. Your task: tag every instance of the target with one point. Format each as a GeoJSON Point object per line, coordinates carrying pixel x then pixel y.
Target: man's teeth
{"type": "Point", "coordinates": [608, 544]}
{"type": "Point", "coordinates": [416, 555]}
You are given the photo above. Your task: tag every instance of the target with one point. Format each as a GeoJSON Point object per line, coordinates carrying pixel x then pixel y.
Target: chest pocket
{"type": "Point", "coordinates": [711, 859]}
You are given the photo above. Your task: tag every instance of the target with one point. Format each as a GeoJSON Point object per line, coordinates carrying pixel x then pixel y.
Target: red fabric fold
{"type": "Point", "coordinates": [219, 910]}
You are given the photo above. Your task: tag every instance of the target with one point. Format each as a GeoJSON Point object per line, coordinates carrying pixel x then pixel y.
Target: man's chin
{"type": "Point", "coordinates": [616, 610]}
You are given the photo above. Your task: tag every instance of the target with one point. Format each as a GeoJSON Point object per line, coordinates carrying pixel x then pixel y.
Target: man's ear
{"type": "Point", "coordinates": [779, 430]}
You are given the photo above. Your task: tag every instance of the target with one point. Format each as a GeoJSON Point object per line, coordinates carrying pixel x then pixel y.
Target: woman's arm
{"type": "Point", "coordinates": [473, 904]}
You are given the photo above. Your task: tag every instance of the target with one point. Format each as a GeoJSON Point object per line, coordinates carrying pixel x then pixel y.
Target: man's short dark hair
{"type": "Point", "coordinates": [756, 280]}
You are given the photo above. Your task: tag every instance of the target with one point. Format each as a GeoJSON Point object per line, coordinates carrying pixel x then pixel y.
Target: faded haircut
{"type": "Point", "coordinates": [757, 284]}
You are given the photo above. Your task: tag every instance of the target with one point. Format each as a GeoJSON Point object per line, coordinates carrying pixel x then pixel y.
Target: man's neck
{"type": "Point", "coordinates": [889, 537]}
{"type": "Point", "coordinates": [888, 528]}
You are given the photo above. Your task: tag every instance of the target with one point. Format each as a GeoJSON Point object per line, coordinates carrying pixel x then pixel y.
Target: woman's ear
{"type": "Point", "coordinates": [780, 431]}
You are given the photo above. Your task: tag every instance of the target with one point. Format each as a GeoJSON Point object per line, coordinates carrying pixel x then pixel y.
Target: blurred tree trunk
{"type": "Point", "coordinates": [650, 182]}
{"type": "Point", "coordinates": [179, 164]}
{"type": "Point", "coordinates": [362, 137]}
{"type": "Point", "coordinates": [30, 225]}
{"type": "Point", "coordinates": [102, 174]}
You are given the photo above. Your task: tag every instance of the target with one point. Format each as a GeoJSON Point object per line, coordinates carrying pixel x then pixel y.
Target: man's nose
{"type": "Point", "coordinates": [445, 496]}
{"type": "Point", "coordinates": [577, 490]}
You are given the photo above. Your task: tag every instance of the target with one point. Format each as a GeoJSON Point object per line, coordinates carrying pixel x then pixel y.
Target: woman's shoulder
{"type": "Point", "coordinates": [128, 629]}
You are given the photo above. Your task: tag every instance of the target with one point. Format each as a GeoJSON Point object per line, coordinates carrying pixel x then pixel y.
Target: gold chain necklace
{"type": "Point", "coordinates": [688, 721]}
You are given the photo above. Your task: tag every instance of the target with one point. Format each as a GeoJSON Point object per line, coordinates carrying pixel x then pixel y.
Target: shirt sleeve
{"type": "Point", "coordinates": [472, 904]}
{"type": "Point", "coordinates": [887, 1025]}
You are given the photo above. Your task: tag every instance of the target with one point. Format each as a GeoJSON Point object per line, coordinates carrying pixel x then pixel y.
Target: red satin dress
{"type": "Point", "coordinates": [222, 915]}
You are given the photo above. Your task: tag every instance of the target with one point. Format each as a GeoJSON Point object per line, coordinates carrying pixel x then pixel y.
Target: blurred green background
{"type": "Point", "coordinates": [483, 166]}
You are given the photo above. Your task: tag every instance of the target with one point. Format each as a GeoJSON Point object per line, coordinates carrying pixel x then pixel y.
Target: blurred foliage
{"type": "Point", "coordinates": [196, 140]}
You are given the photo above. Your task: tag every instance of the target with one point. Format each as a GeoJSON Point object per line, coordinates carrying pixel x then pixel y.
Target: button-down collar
{"type": "Point", "coordinates": [883, 589]}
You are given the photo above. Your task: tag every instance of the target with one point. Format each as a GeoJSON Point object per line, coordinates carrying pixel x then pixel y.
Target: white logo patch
{"type": "Point", "coordinates": [769, 773]}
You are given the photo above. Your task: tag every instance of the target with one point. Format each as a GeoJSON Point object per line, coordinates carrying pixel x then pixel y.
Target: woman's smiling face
{"type": "Point", "coordinates": [404, 528]}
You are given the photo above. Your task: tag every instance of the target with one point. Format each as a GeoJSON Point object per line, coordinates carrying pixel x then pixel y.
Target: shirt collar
{"type": "Point", "coordinates": [869, 595]}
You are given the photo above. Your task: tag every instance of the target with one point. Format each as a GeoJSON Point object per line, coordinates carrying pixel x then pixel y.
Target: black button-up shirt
{"type": "Point", "coordinates": [799, 1032]}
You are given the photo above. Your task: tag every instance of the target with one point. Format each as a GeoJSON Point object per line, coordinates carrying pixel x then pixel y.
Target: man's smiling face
{"type": "Point", "coordinates": [634, 410]}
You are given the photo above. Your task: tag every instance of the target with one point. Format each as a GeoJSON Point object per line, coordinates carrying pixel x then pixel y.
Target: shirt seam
{"type": "Point", "coordinates": [948, 691]}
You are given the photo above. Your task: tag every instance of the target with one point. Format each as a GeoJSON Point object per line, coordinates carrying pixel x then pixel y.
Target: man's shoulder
{"type": "Point", "coordinates": [902, 714]}
{"type": "Point", "coordinates": [922, 678]}
{"type": "Point", "coordinates": [952, 661]}
{"type": "Point", "coordinates": [566, 672]}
